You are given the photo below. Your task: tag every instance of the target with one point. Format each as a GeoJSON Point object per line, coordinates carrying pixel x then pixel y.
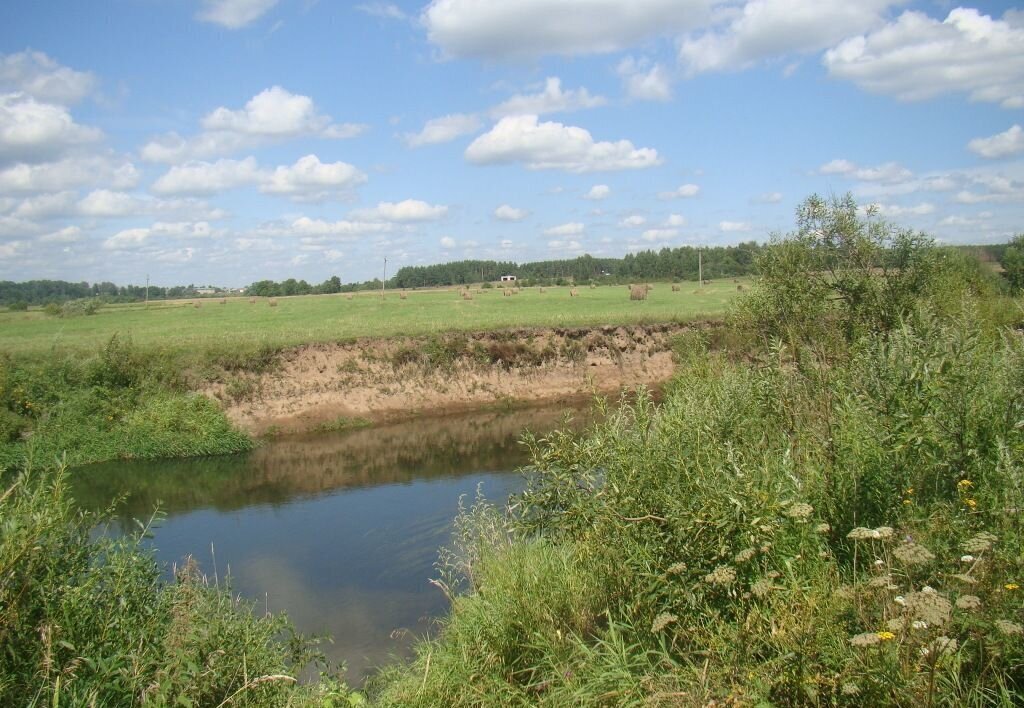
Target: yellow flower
{"type": "Point", "coordinates": [971, 503]}
{"type": "Point", "coordinates": [886, 636]}
{"type": "Point", "coordinates": [907, 502]}
{"type": "Point", "coordinates": [910, 490]}
{"type": "Point", "coordinates": [1012, 586]}
{"type": "Point", "coordinates": [964, 484]}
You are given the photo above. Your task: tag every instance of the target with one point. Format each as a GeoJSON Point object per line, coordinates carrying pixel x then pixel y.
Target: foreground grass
{"type": "Point", "coordinates": [181, 329]}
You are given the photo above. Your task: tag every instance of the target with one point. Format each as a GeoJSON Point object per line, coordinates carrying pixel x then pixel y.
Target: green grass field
{"type": "Point", "coordinates": [179, 327]}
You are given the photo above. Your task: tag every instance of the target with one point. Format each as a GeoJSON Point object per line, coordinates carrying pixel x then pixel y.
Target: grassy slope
{"type": "Point", "coordinates": [179, 327]}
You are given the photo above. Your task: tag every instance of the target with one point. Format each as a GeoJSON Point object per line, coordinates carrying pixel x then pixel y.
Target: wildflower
{"type": "Point", "coordinates": [900, 600]}
{"type": "Point", "coordinates": [1009, 628]}
{"type": "Point", "coordinates": [910, 490]}
{"type": "Point", "coordinates": [919, 624]}
{"type": "Point", "coordinates": [1011, 586]}
{"type": "Point", "coordinates": [879, 563]}
{"type": "Point", "coordinates": [722, 575]}
{"type": "Point", "coordinates": [745, 555]}
{"type": "Point", "coordinates": [859, 534]}
{"type": "Point", "coordinates": [886, 636]}
{"type": "Point", "coordinates": [967, 559]}
{"type": "Point", "coordinates": [930, 607]}
{"type": "Point", "coordinates": [883, 581]}
{"type": "Point", "coordinates": [913, 554]}
{"type": "Point", "coordinates": [661, 621]}
{"type": "Point", "coordinates": [979, 543]}
{"type": "Point", "coordinates": [799, 511]}
{"type": "Point", "coordinates": [822, 528]}
{"type": "Point", "coordinates": [907, 502]}
{"type": "Point", "coordinates": [867, 639]}
{"type": "Point", "coordinates": [882, 532]}
{"type": "Point", "coordinates": [968, 602]}
{"type": "Point", "coordinates": [850, 689]}
{"type": "Point", "coordinates": [971, 503]}
{"type": "Point", "coordinates": [677, 569]}
{"type": "Point", "coordinates": [964, 484]}
{"type": "Point", "coordinates": [939, 646]}
{"type": "Point", "coordinates": [761, 587]}
{"type": "Point", "coordinates": [895, 625]}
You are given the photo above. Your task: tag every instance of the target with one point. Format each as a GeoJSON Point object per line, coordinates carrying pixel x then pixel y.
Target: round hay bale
{"type": "Point", "coordinates": [638, 292]}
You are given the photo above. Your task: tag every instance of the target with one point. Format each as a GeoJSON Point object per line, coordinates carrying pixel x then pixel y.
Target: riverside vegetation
{"type": "Point", "coordinates": [825, 509]}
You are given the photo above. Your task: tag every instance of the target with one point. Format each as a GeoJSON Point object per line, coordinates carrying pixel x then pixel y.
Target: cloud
{"type": "Point", "coordinates": [69, 234]}
{"type": "Point", "coordinates": [675, 220]}
{"type": "Point", "coordinates": [69, 173]}
{"type": "Point", "coordinates": [769, 198]}
{"type": "Point", "coordinates": [659, 234]}
{"type": "Point", "coordinates": [684, 191]}
{"type": "Point", "coordinates": [633, 221]}
{"type": "Point", "coordinates": [209, 177]}
{"type": "Point", "coordinates": [509, 213]}
{"type": "Point", "coordinates": [443, 129]}
{"type": "Point", "coordinates": [136, 237]}
{"type": "Point", "coordinates": [234, 14]}
{"type": "Point", "coordinates": [765, 29]}
{"type": "Point", "coordinates": [304, 226]}
{"type": "Point", "coordinates": [1009, 142]}
{"type": "Point", "coordinates": [550, 145]}
{"type": "Point", "coordinates": [31, 131]}
{"type": "Point", "coordinates": [383, 10]}
{"type": "Point", "coordinates": [916, 57]}
{"type": "Point", "coordinates": [104, 203]}
{"type": "Point", "coordinates": [643, 83]}
{"type": "Point", "coordinates": [598, 191]}
{"type": "Point", "coordinates": [310, 179]}
{"type": "Point", "coordinates": [886, 172]}
{"type": "Point", "coordinates": [405, 211]}
{"type": "Point", "coordinates": [272, 115]}
{"type": "Point", "coordinates": [498, 29]}
{"type": "Point", "coordinates": [733, 226]}
{"type": "Point", "coordinates": [551, 100]}
{"type": "Point", "coordinates": [573, 228]}
{"type": "Point", "coordinates": [447, 242]}
{"type": "Point", "coordinates": [42, 78]}
{"type": "Point", "coordinates": [895, 210]}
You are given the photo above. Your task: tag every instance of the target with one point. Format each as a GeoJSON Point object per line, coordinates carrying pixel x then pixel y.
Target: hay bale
{"type": "Point", "coordinates": [403, 296]}
{"type": "Point", "coordinates": [223, 301]}
{"type": "Point", "coordinates": [506, 293]}
{"type": "Point", "coordinates": [252, 301]}
{"type": "Point", "coordinates": [649, 287]}
{"type": "Point", "coordinates": [467, 295]}
{"type": "Point", "coordinates": [349, 296]}
{"type": "Point", "coordinates": [593, 286]}
{"type": "Point", "coordinates": [638, 292]}
{"type": "Point", "coordinates": [272, 302]}
{"type": "Point", "coordinates": [676, 288]}
{"type": "Point", "coordinates": [542, 291]}
{"type": "Point", "coordinates": [573, 293]}
{"type": "Point", "coordinates": [515, 291]}
{"type": "Point", "coordinates": [197, 304]}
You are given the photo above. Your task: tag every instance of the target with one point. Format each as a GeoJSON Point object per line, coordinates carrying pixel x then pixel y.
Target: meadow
{"type": "Point", "coordinates": [182, 328]}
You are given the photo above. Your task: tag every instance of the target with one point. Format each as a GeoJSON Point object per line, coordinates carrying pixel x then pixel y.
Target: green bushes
{"type": "Point", "coordinates": [833, 520]}
{"type": "Point", "coordinates": [86, 622]}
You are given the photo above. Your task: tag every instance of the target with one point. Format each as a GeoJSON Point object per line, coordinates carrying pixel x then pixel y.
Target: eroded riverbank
{"type": "Point", "coordinates": [387, 380]}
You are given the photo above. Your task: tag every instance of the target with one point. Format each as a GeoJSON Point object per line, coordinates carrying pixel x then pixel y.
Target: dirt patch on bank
{"type": "Point", "coordinates": [384, 380]}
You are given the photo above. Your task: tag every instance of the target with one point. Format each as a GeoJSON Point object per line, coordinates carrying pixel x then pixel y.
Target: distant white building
{"type": "Point", "coordinates": [508, 278]}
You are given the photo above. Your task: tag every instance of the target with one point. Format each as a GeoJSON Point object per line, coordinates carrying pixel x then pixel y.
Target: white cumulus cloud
{"type": "Point", "coordinates": [917, 57]}
{"type": "Point", "coordinates": [732, 226]}
{"type": "Point", "coordinates": [499, 29]}
{"type": "Point", "coordinates": [552, 99]}
{"type": "Point", "coordinates": [885, 172]}
{"type": "Point", "coordinates": [510, 213]}
{"type": "Point", "coordinates": [39, 76]}
{"type": "Point", "coordinates": [598, 192]}
{"type": "Point", "coordinates": [573, 228]}
{"type": "Point", "coordinates": [309, 178]}
{"type": "Point", "coordinates": [550, 145]}
{"type": "Point", "coordinates": [683, 191]}
{"type": "Point", "coordinates": [31, 131]}
{"type": "Point", "coordinates": [234, 14]}
{"type": "Point", "coordinates": [633, 221]}
{"type": "Point", "coordinates": [444, 129]}
{"type": "Point", "coordinates": [1009, 142]}
{"type": "Point", "coordinates": [405, 211]}
{"type": "Point", "coordinates": [645, 82]}
{"type": "Point", "coordinates": [209, 177]}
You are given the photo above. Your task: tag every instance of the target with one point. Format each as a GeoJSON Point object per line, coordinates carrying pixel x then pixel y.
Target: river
{"type": "Point", "coordinates": [339, 530]}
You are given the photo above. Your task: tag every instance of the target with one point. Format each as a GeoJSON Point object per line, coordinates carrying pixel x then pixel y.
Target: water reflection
{"type": "Point", "coordinates": [339, 530]}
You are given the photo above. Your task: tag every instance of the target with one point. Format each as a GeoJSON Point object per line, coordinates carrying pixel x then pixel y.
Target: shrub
{"type": "Point", "coordinates": [17, 306]}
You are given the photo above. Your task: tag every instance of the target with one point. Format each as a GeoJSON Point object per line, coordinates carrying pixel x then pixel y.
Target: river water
{"type": "Point", "coordinates": [339, 530]}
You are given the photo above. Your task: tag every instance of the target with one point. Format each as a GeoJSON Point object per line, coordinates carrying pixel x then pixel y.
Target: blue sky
{"type": "Point", "coordinates": [226, 141]}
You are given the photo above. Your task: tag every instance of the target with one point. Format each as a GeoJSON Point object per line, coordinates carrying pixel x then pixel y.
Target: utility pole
{"type": "Point", "coordinates": [700, 267]}
{"type": "Point", "coordinates": [385, 278]}
{"type": "Point", "coordinates": [147, 290]}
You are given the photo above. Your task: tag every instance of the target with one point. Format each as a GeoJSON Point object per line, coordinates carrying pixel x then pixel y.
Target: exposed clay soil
{"type": "Point", "coordinates": [385, 380]}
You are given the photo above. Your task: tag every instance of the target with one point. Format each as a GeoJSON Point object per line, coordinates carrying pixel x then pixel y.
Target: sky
{"type": "Point", "coordinates": [228, 141]}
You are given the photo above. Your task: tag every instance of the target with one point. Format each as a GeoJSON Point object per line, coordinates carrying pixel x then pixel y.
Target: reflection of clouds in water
{"type": "Point", "coordinates": [360, 620]}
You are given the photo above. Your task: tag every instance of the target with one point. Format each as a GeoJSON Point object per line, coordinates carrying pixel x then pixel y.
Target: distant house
{"type": "Point", "coordinates": [206, 291]}
{"type": "Point", "coordinates": [508, 278]}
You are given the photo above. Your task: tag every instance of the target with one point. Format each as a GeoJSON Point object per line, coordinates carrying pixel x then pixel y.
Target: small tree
{"type": "Point", "coordinates": [1013, 263]}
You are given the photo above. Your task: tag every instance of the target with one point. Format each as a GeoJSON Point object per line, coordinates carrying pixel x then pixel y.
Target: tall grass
{"type": "Point", "coordinates": [831, 517]}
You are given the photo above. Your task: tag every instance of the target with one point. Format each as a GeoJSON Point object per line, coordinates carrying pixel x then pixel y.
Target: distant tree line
{"type": "Point", "coordinates": [668, 263]}
{"type": "Point", "coordinates": [44, 292]}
